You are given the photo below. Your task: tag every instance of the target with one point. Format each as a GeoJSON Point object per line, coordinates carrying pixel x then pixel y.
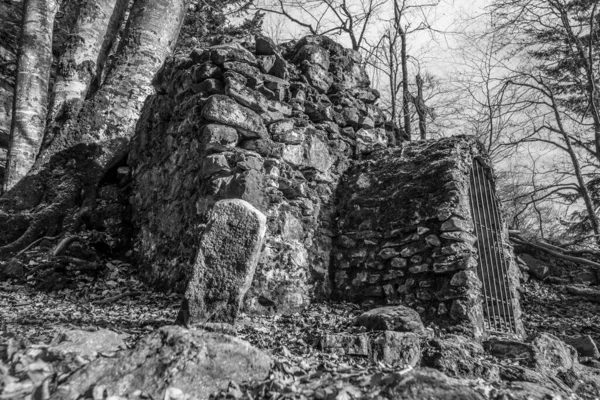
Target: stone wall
{"type": "Point", "coordinates": [276, 126]}
{"type": "Point", "coordinates": [405, 232]}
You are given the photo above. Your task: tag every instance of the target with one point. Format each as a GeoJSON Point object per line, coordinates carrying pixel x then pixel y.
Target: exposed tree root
{"type": "Point", "coordinates": [46, 221]}
{"type": "Point", "coordinates": [38, 241]}
{"type": "Point", "coordinates": [78, 262]}
{"type": "Point", "coordinates": [589, 293]}
{"type": "Point", "coordinates": [64, 244]}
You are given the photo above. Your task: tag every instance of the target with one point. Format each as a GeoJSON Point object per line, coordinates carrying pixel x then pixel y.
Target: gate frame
{"type": "Point", "coordinates": [502, 278]}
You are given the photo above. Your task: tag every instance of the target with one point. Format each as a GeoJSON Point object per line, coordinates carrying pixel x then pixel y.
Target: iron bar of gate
{"type": "Point", "coordinates": [497, 271]}
{"type": "Point", "coordinates": [503, 262]}
{"type": "Point", "coordinates": [493, 265]}
{"type": "Point", "coordinates": [475, 207]}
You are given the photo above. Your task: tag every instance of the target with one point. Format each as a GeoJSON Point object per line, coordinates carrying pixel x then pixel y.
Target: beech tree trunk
{"type": "Point", "coordinates": [81, 63]}
{"type": "Point", "coordinates": [10, 28]}
{"type": "Point", "coordinates": [66, 173]}
{"type": "Point", "coordinates": [31, 92]}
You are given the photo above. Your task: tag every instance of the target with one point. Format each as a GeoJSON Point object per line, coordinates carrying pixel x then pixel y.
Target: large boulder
{"type": "Point", "coordinates": [227, 258]}
{"type": "Point", "coordinates": [191, 363]}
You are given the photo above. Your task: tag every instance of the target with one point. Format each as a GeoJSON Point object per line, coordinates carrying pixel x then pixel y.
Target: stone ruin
{"type": "Point", "coordinates": [353, 210]}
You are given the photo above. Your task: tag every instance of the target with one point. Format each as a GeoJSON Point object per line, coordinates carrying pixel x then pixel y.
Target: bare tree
{"type": "Point", "coordinates": [389, 55]}
{"type": "Point", "coordinates": [559, 37]}
{"type": "Point", "coordinates": [322, 17]}
{"type": "Point", "coordinates": [550, 128]}
{"type": "Point", "coordinates": [556, 44]}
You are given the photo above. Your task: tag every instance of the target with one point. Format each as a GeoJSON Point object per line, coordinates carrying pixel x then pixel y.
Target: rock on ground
{"type": "Point", "coordinates": [393, 318]}
{"type": "Point", "coordinates": [545, 353]}
{"type": "Point", "coordinates": [87, 344]}
{"type": "Point", "coordinates": [393, 348]}
{"type": "Point", "coordinates": [428, 384]}
{"type": "Point", "coordinates": [192, 363]}
{"type": "Point", "coordinates": [224, 268]}
{"type": "Point", "coordinates": [585, 346]}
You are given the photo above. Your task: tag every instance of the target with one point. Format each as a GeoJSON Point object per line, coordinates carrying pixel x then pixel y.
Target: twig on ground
{"type": "Point", "coordinates": [80, 264]}
{"type": "Point", "coordinates": [115, 298]}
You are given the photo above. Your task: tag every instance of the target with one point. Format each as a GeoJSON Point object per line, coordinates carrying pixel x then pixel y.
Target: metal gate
{"type": "Point", "coordinates": [498, 307]}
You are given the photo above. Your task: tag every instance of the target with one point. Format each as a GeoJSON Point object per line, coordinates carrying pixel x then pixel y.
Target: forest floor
{"type": "Point", "coordinates": [112, 297]}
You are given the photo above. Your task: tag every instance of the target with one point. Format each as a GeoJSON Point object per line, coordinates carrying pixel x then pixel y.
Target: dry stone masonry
{"type": "Point", "coordinates": [276, 126]}
{"type": "Point", "coordinates": [352, 210]}
{"type": "Point", "coordinates": [405, 233]}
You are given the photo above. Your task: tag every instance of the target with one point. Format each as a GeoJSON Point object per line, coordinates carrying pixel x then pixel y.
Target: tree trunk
{"type": "Point", "coordinates": [86, 50]}
{"type": "Point", "coordinates": [405, 93]}
{"type": "Point", "coordinates": [68, 171]}
{"type": "Point", "coordinates": [421, 108]}
{"type": "Point", "coordinates": [583, 189]}
{"type": "Point", "coordinates": [31, 91]}
{"type": "Point", "coordinates": [10, 28]}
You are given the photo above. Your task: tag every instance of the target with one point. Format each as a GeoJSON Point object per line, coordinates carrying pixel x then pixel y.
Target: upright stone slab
{"type": "Point", "coordinates": [227, 258]}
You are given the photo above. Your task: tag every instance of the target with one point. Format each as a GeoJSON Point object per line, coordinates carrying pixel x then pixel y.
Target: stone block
{"type": "Point", "coordinates": [433, 240]}
{"type": "Point", "coordinates": [448, 264]}
{"type": "Point", "coordinates": [313, 54]}
{"type": "Point", "coordinates": [209, 87]}
{"type": "Point", "coordinates": [204, 71]}
{"type": "Point", "coordinates": [225, 110]}
{"type": "Point", "coordinates": [459, 236]}
{"type": "Point", "coordinates": [219, 137]}
{"type": "Point", "coordinates": [231, 52]}
{"type": "Point", "coordinates": [283, 126]}
{"type": "Point", "coordinates": [388, 253]}
{"type": "Point", "coordinates": [398, 262]}
{"type": "Point", "coordinates": [265, 46]}
{"type": "Point", "coordinates": [396, 348]}
{"type": "Point", "coordinates": [457, 224]}
{"type": "Point", "coordinates": [346, 344]}
{"type": "Point", "coordinates": [246, 70]}
{"type": "Point", "coordinates": [420, 268]}
{"type": "Point", "coordinates": [245, 96]}
{"type": "Point", "coordinates": [318, 77]}
{"type": "Point", "coordinates": [214, 164]}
